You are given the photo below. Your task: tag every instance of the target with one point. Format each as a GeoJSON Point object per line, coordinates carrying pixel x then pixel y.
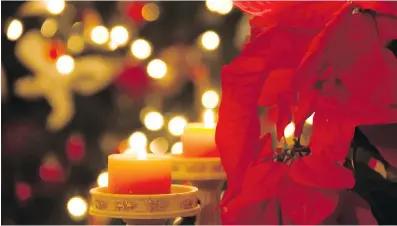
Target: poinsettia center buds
{"type": "Point", "coordinates": [288, 156]}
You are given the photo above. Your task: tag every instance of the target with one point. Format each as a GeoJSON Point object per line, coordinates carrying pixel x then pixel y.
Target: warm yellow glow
{"type": "Point", "coordinates": [75, 44]}
{"type": "Point", "coordinates": [289, 130]}
{"type": "Point", "coordinates": [159, 145]}
{"type": "Point", "coordinates": [176, 125]}
{"type": "Point", "coordinates": [119, 35]}
{"type": "Point", "coordinates": [77, 207]}
{"type": "Point", "coordinates": [222, 7]}
{"type": "Point", "coordinates": [157, 69]}
{"type": "Point", "coordinates": [177, 148]}
{"type": "Point", "coordinates": [49, 28]}
{"type": "Point", "coordinates": [141, 49]}
{"type": "Point", "coordinates": [14, 30]}
{"type": "Point", "coordinates": [210, 99]}
{"type": "Point", "coordinates": [103, 179]}
{"type": "Point", "coordinates": [225, 7]}
{"type": "Point", "coordinates": [112, 46]}
{"type": "Point", "coordinates": [212, 5]}
{"type": "Point", "coordinates": [209, 118]}
{"type": "Point", "coordinates": [150, 12]}
{"type": "Point", "coordinates": [65, 64]}
{"type": "Point", "coordinates": [210, 40]}
{"type": "Point", "coordinates": [310, 119]}
{"type": "Point", "coordinates": [55, 6]}
{"type": "Point", "coordinates": [100, 35]}
{"type": "Point", "coordinates": [137, 141]}
{"type": "Point", "coordinates": [154, 121]}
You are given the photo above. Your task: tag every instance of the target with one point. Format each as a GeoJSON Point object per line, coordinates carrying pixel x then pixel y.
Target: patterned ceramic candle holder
{"type": "Point", "coordinates": [208, 176]}
{"type": "Point", "coordinates": [145, 209]}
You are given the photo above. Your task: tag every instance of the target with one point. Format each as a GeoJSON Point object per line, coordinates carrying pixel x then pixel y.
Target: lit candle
{"type": "Point", "coordinates": [139, 173]}
{"type": "Point", "coordinates": [198, 139]}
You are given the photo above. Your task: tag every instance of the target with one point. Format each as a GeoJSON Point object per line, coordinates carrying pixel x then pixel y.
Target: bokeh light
{"type": "Point", "coordinates": [176, 125]}
{"type": "Point", "coordinates": [154, 121]}
{"type": "Point", "coordinates": [310, 119]}
{"type": "Point", "coordinates": [177, 148]}
{"type": "Point", "coordinates": [210, 99]}
{"type": "Point", "coordinates": [49, 28]}
{"type": "Point", "coordinates": [141, 49]}
{"type": "Point", "coordinates": [103, 179]}
{"type": "Point", "coordinates": [100, 35]}
{"type": "Point", "coordinates": [137, 141]}
{"type": "Point", "coordinates": [75, 44]}
{"type": "Point", "coordinates": [14, 30]}
{"type": "Point", "coordinates": [157, 69]}
{"type": "Point", "coordinates": [65, 64]}
{"type": "Point", "coordinates": [119, 35]}
{"type": "Point", "coordinates": [150, 12]}
{"type": "Point", "coordinates": [225, 7]}
{"type": "Point", "coordinates": [210, 40]}
{"type": "Point", "coordinates": [289, 130]}
{"type": "Point", "coordinates": [55, 6]}
{"type": "Point", "coordinates": [222, 7]}
{"type": "Point", "coordinates": [159, 145]}
{"type": "Point", "coordinates": [77, 207]}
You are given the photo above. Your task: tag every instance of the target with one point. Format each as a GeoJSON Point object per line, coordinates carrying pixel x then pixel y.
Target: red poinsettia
{"type": "Point", "coordinates": [296, 68]}
{"type": "Point", "coordinates": [275, 193]}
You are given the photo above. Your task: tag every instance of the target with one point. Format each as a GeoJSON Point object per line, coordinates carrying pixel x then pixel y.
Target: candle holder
{"type": "Point", "coordinates": [208, 176]}
{"type": "Point", "coordinates": [145, 209]}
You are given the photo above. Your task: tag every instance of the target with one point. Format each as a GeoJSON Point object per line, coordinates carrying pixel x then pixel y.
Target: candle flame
{"type": "Point", "coordinates": [289, 130]}
{"type": "Point", "coordinates": [310, 119]}
{"type": "Point", "coordinates": [209, 118]}
{"type": "Point", "coordinates": [141, 154]}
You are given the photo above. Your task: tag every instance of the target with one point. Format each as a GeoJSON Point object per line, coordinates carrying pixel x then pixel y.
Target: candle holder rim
{"type": "Point", "coordinates": [104, 191]}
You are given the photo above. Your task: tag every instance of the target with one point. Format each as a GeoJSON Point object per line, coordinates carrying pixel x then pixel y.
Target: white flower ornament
{"type": "Point", "coordinates": [90, 75]}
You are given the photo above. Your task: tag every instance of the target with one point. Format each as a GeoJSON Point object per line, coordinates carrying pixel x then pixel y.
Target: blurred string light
{"type": "Point", "coordinates": [14, 30]}
{"type": "Point", "coordinates": [141, 49]}
{"type": "Point", "coordinates": [49, 28]}
{"type": "Point", "coordinates": [209, 118]}
{"type": "Point", "coordinates": [289, 130]}
{"type": "Point", "coordinates": [210, 40]}
{"type": "Point", "coordinates": [150, 12]}
{"type": "Point", "coordinates": [102, 179]}
{"type": "Point", "coordinates": [221, 7]}
{"type": "Point", "coordinates": [210, 99]}
{"type": "Point", "coordinates": [100, 35]}
{"type": "Point", "coordinates": [159, 145]}
{"type": "Point", "coordinates": [177, 148]}
{"type": "Point", "coordinates": [119, 35]}
{"type": "Point", "coordinates": [157, 69]}
{"type": "Point", "coordinates": [77, 207]}
{"type": "Point", "coordinates": [137, 141]}
{"type": "Point", "coordinates": [154, 121]}
{"type": "Point", "coordinates": [310, 119]}
{"type": "Point", "coordinates": [75, 44]}
{"type": "Point", "coordinates": [176, 125]}
{"type": "Point", "coordinates": [55, 6]}
{"type": "Point", "coordinates": [65, 64]}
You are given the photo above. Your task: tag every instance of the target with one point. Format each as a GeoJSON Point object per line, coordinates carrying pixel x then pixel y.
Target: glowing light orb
{"type": "Point", "coordinates": [77, 207]}
{"type": "Point", "coordinates": [65, 64]}
{"type": "Point", "coordinates": [141, 49]}
{"type": "Point", "coordinates": [210, 40]}
{"type": "Point", "coordinates": [176, 125]}
{"type": "Point", "coordinates": [157, 69]}
{"type": "Point", "coordinates": [100, 35]}
{"type": "Point", "coordinates": [210, 99]}
{"type": "Point", "coordinates": [14, 30]}
{"type": "Point", "coordinates": [154, 121]}
{"type": "Point", "coordinates": [119, 35]}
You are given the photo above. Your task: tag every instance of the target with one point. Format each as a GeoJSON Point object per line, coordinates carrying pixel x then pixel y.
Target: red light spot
{"type": "Point", "coordinates": [23, 191]}
{"type": "Point", "coordinates": [55, 49]}
{"type": "Point", "coordinates": [75, 148]}
{"type": "Point", "coordinates": [51, 173]}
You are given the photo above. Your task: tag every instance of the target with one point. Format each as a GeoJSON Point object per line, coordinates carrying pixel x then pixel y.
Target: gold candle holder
{"type": "Point", "coordinates": [208, 176]}
{"type": "Point", "coordinates": [145, 209]}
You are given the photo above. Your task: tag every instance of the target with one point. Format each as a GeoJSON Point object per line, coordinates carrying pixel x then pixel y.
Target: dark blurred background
{"type": "Point", "coordinates": [49, 166]}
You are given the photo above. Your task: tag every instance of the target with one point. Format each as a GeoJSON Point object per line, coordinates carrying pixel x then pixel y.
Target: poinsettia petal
{"type": "Point", "coordinates": [306, 106]}
{"type": "Point", "coordinates": [306, 205]}
{"type": "Point", "coordinates": [276, 84]}
{"type": "Point", "coordinates": [317, 172]}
